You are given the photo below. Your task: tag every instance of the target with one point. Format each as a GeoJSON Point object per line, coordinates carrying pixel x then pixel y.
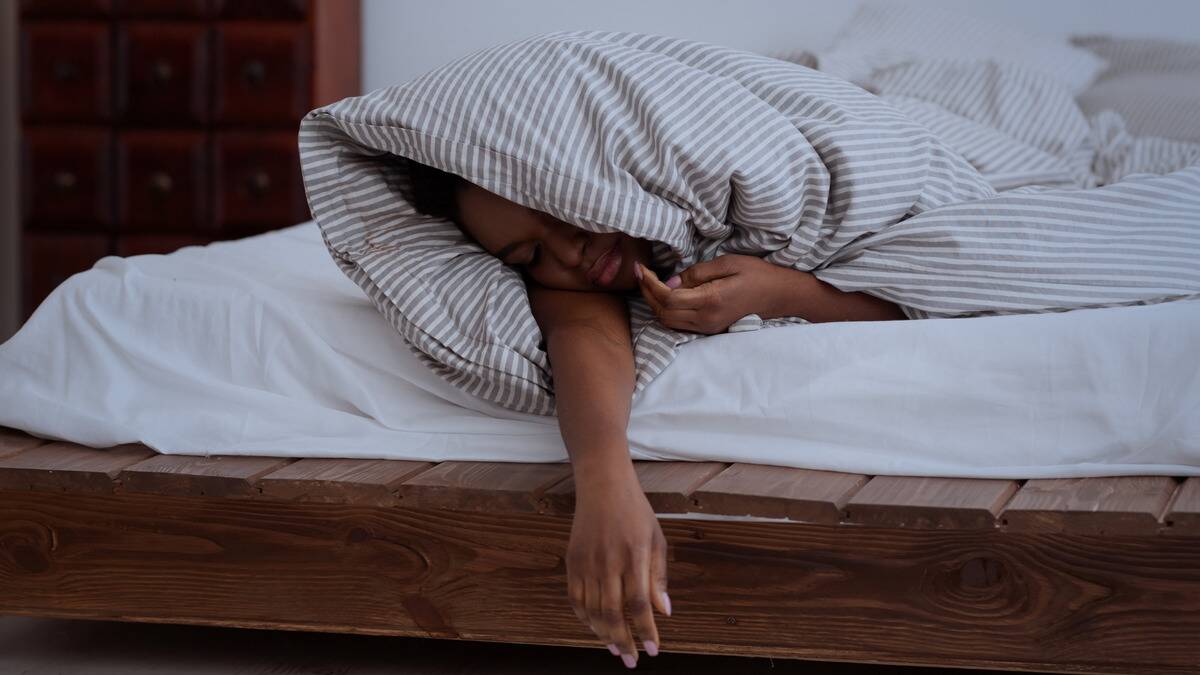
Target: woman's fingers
{"type": "Point", "coordinates": [704, 272]}
{"type": "Point", "coordinates": [659, 295]}
{"type": "Point", "coordinates": [594, 602]}
{"type": "Point", "coordinates": [658, 575]}
{"type": "Point", "coordinates": [614, 619]}
{"type": "Point", "coordinates": [637, 600]}
{"type": "Point", "coordinates": [577, 595]}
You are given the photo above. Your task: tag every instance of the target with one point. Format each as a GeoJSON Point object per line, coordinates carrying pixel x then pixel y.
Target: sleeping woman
{"type": "Point", "coordinates": [576, 279]}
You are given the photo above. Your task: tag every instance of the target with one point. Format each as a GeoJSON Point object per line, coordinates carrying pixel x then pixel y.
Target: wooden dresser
{"type": "Point", "coordinates": [153, 124]}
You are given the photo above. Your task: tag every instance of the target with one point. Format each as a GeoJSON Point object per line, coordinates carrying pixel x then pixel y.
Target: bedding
{"type": "Point", "coordinates": [261, 346]}
{"type": "Point", "coordinates": [1153, 84]}
{"type": "Point", "coordinates": [950, 187]}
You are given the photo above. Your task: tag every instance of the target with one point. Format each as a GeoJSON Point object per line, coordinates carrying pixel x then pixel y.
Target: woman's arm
{"type": "Point", "coordinates": [709, 296]}
{"type": "Point", "coordinates": [617, 553]}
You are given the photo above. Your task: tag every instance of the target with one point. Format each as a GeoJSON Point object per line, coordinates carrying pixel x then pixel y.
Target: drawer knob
{"type": "Point", "coordinates": [65, 71]}
{"type": "Point", "coordinates": [259, 182]}
{"type": "Point", "coordinates": [161, 71]}
{"type": "Point", "coordinates": [161, 183]}
{"type": "Point", "coordinates": [64, 181]}
{"type": "Point", "coordinates": [254, 72]}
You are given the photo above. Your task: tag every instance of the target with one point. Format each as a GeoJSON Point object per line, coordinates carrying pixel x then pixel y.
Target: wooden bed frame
{"type": "Point", "coordinates": [1071, 575]}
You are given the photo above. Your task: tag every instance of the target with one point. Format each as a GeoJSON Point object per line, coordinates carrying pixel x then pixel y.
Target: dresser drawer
{"type": "Point", "coordinates": [48, 259]}
{"type": "Point", "coordinates": [162, 75]}
{"type": "Point", "coordinates": [142, 244]}
{"type": "Point", "coordinates": [65, 72]}
{"type": "Point", "coordinates": [263, 73]}
{"type": "Point", "coordinates": [182, 9]}
{"type": "Point", "coordinates": [66, 178]}
{"type": "Point", "coordinates": [262, 9]}
{"type": "Point", "coordinates": [66, 8]}
{"type": "Point", "coordinates": [258, 182]}
{"type": "Point", "coordinates": [162, 181]}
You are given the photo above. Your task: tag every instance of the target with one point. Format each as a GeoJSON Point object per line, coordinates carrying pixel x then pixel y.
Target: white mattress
{"type": "Point", "coordinates": [262, 347]}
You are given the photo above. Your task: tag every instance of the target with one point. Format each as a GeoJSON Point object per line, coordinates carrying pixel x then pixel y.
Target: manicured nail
{"type": "Point", "coordinates": [628, 660]}
{"type": "Point", "coordinates": [651, 648]}
{"type": "Point", "coordinates": [637, 271]}
{"type": "Point", "coordinates": [673, 282]}
{"type": "Point", "coordinates": [613, 648]}
{"type": "Point", "coordinates": [667, 603]}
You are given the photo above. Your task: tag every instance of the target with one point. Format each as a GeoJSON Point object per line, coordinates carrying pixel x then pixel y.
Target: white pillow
{"type": "Point", "coordinates": [882, 34]}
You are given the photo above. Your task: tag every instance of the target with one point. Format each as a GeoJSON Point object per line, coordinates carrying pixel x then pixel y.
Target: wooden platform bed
{"type": "Point", "coordinates": [1080, 575]}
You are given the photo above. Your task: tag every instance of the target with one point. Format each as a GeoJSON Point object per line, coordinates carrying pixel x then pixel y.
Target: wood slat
{"type": "Point", "coordinates": [972, 598]}
{"type": "Point", "coordinates": [778, 492]}
{"type": "Point", "coordinates": [1115, 505]}
{"type": "Point", "coordinates": [200, 475]}
{"type": "Point", "coordinates": [340, 481]}
{"type": "Point", "coordinates": [930, 503]}
{"type": "Point", "coordinates": [668, 486]}
{"type": "Point", "coordinates": [69, 467]}
{"type": "Point", "coordinates": [13, 441]}
{"type": "Point", "coordinates": [482, 486]}
{"type": "Point", "coordinates": [1183, 516]}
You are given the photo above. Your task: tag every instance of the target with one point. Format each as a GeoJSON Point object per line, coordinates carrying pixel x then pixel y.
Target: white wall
{"type": "Point", "coordinates": [405, 38]}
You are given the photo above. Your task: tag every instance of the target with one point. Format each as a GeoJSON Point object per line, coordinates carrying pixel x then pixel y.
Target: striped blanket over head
{"type": "Point", "coordinates": [953, 188]}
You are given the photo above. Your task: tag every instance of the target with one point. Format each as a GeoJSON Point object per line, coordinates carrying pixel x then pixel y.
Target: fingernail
{"type": "Point", "coordinates": [667, 603]}
{"type": "Point", "coordinates": [673, 282]}
{"type": "Point", "coordinates": [628, 660]}
{"type": "Point", "coordinates": [613, 648]}
{"type": "Point", "coordinates": [651, 648]}
{"type": "Point", "coordinates": [637, 271]}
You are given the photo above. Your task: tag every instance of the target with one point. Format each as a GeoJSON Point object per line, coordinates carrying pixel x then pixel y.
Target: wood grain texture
{"type": "Point", "coordinates": [778, 492]}
{"type": "Point", "coordinates": [214, 476]}
{"type": "Point", "coordinates": [1183, 516]}
{"type": "Point", "coordinates": [938, 503]}
{"type": "Point", "coordinates": [483, 486]}
{"type": "Point", "coordinates": [1119, 505]}
{"type": "Point", "coordinates": [668, 486]}
{"type": "Point", "coordinates": [1061, 602]}
{"type": "Point", "coordinates": [69, 467]}
{"type": "Point", "coordinates": [340, 481]}
{"type": "Point", "coordinates": [13, 441]}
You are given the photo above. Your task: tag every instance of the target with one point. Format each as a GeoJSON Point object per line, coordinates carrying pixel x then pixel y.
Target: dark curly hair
{"type": "Point", "coordinates": [432, 192]}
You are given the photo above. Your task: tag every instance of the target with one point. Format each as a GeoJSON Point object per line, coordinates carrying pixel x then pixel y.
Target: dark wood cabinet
{"type": "Point", "coordinates": [153, 124]}
{"type": "Point", "coordinates": [162, 73]}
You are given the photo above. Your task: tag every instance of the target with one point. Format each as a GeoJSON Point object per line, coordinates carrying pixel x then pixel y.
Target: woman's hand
{"type": "Point", "coordinates": [617, 559]}
{"type": "Point", "coordinates": [709, 296]}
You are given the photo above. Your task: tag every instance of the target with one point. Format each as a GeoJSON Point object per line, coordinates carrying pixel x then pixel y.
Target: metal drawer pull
{"type": "Point", "coordinates": [64, 180]}
{"type": "Point", "coordinates": [161, 183]}
{"type": "Point", "coordinates": [259, 182]}
{"type": "Point", "coordinates": [254, 72]}
{"type": "Point", "coordinates": [161, 71]}
{"type": "Point", "coordinates": [65, 71]}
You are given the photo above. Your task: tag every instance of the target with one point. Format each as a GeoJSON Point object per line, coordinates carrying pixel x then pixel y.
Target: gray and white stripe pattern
{"type": "Point", "coordinates": [707, 150]}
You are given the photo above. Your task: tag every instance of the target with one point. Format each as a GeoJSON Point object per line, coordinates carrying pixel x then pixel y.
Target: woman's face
{"type": "Point", "coordinates": [553, 253]}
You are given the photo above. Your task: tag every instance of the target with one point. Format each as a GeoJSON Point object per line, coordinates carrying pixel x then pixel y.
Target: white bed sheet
{"type": "Point", "coordinates": [262, 346]}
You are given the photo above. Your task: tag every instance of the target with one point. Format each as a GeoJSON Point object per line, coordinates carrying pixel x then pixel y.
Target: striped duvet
{"type": "Point", "coordinates": [953, 188]}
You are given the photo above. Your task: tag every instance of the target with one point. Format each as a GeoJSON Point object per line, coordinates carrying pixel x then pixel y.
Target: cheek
{"type": "Point", "coordinates": [552, 276]}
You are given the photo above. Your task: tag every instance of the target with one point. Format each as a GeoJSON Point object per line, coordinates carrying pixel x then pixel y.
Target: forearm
{"type": "Point", "coordinates": [593, 385]}
{"type": "Point", "coordinates": [591, 358]}
{"type": "Point", "coordinates": [802, 294]}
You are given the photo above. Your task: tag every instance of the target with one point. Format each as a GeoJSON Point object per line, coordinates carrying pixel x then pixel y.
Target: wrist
{"type": "Point", "coordinates": [604, 477]}
{"type": "Point", "coordinates": [786, 293]}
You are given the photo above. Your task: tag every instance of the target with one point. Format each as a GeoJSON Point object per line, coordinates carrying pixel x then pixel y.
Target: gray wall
{"type": "Point", "coordinates": [9, 224]}
{"type": "Point", "coordinates": [404, 38]}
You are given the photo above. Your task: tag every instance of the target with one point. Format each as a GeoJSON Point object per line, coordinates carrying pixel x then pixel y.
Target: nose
{"type": "Point", "coordinates": [566, 243]}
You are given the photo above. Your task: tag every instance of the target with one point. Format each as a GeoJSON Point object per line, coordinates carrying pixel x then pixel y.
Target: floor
{"type": "Point", "coordinates": [76, 647]}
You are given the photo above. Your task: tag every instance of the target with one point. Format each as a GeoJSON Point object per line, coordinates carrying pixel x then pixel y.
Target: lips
{"type": "Point", "coordinates": [605, 268]}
